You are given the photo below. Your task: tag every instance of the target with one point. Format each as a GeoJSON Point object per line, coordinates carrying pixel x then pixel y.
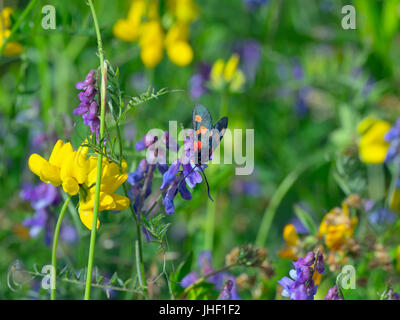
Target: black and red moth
{"type": "Point", "coordinates": [208, 136]}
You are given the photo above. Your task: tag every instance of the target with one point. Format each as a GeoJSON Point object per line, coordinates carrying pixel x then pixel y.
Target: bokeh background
{"type": "Point", "coordinates": [308, 83]}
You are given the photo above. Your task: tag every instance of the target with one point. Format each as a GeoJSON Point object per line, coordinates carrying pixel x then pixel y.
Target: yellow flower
{"type": "Point", "coordinates": [151, 43]}
{"type": "Point", "coordinates": [12, 48]}
{"type": "Point", "coordinates": [227, 74]}
{"type": "Point", "coordinates": [230, 67]}
{"type": "Point", "coordinates": [5, 20]}
{"type": "Point", "coordinates": [373, 147]}
{"type": "Point", "coordinates": [291, 238]}
{"type": "Point", "coordinates": [290, 235]}
{"type": "Point", "coordinates": [111, 179]}
{"type": "Point", "coordinates": [65, 166]}
{"type": "Point", "coordinates": [184, 10]}
{"type": "Point", "coordinates": [180, 53]}
{"type": "Point", "coordinates": [128, 29]}
{"type": "Point", "coordinates": [150, 33]}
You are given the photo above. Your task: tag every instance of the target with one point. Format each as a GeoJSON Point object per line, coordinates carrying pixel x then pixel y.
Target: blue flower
{"type": "Point", "coordinates": [300, 285]}
{"type": "Point", "coordinates": [393, 137]}
{"type": "Point", "coordinates": [198, 82]}
{"type": "Point", "coordinates": [88, 107]}
{"type": "Point", "coordinates": [223, 281]}
{"type": "Point", "coordinates": [43, 199]}
{"type": "Point", "coordinates": [333, 294]}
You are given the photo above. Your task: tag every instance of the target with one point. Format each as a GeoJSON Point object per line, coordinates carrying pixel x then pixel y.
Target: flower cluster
{"type": "Point", "coordinates": [65, 167]}
{"type": "Point", "coordinates": [333, 294]}
{"type": "Point", "coordinates": [12, 48]}
{"type": "Point", "coordinates": [227, 75]}
{"type": "Point", "coordinates": [112, 177]}
{"type": "Point", "coordinates": [150, 33]}
{"type": "Point", "coordinates": [77, 174]}
{"type": "Point", "coordinates": [304, 279]}
{"type": "Point", "coordinates": [223, 281]}
{"type": "Point", "coordinates": [180, 174]}
{"type": "Point", "coordinates": [373, 146]}
{"type": "Point", "coordinates": [337, 228]}
{"type": "Point", "coordinates": [88, 107]}
{"type": "Point", "coordinates": [43, 199]}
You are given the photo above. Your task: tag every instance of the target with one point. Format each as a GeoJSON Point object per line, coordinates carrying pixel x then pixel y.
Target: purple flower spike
{"type": "Point", "coordinates": [88, 108]}
{"type": "Point", "coordinates": [333, 294]}
{"type": "Point", "coordinates": [300, 285]}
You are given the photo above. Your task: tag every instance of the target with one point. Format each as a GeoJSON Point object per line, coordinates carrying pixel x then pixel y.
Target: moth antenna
{"type": "Point", "coordinates": [208, 187]}
{"type": "Point", "coordinates": [184, 178]}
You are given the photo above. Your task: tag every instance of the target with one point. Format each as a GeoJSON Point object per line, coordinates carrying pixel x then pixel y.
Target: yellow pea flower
{"type": "Point", "coordinates": [292, 240]}
{"type": "Point", "coordinates": [184, 10]}
{"type": "Point", "coordinates": [372, 146]}
{"type": "Point", "coordinates": [65, 167]}
{"type": "Point", "coordinates": [5, 20]}
{"type": "Point", "coordinates": [337, 227]}
{"type": "Point", "coordinates": [290, 235]}
{"type": "Point", "coordinates": [180, 53]}
{"type": "Point", "coordinates": [230, 67]}
{"type": "Point", "coordinates": [111, 179]}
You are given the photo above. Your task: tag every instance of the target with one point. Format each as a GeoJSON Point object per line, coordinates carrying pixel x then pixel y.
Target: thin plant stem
{"type": "Point", "coordinates": [103, 73]}
{"type": "Point", "coordinates": [278, 196]}
{"type": "Point", "coordinates": [210, 226]}
{"type": "Point", "coordinates": [17, 24]}
{"type": "Point", "coordinates": [138, 243]}
{"type": "Point", "coordinates": [54, 250]}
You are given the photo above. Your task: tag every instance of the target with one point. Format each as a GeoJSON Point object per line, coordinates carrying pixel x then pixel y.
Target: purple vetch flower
{"type": "Point", "coordinates": [198, 81]}
{"type": "Point", "coordinates": [247, 187]}
{"type": "Point", "coordinates": [180, 174]}
{"type": "Point", "coordinates": [381, 216]}
{"type": "Point", "coordinates": [220, 279]}
{"type": "Point", "coordinates": [43, 199]}
{"type": "Point", "coordinates": [300, 285]}
{"type": "Point", "coordinates": [88, 107]}
{"type": "Point", "coordinates": [189, 279]}
{"type": "Point", "coordinates": [393, 137]}
{"type": "Point", "coordinates": [333, 294]}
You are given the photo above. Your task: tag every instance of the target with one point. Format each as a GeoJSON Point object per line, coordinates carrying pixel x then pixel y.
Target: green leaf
{"type": "Point", "coordinates": [305, 219]}
{"type": "Point", "coordinates": [183, 269]}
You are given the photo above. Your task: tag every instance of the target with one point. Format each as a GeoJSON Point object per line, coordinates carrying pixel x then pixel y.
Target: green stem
{"type": "Point", "coordinates": [210, 226]}
{"type": "Point", "coordinates": [138, 243]}
{"type": "Point", "coordinates": [54, 250]}
{"type": "Point", "coordinates": [103, 73]}
{"type": "Point", "coordinates": [17, 24]}
{"type": "Point", "coordinates": [376, 181]}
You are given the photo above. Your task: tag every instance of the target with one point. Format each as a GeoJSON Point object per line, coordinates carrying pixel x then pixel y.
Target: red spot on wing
{"type": "Point", "coordinates": [197, 118]}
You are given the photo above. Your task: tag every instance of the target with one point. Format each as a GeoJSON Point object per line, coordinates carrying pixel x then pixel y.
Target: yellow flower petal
{"type": "Point", "coordinates": [216, 74]}
{"type": "Point", "coordinates": [151, 56]}
{"type": "Point", "coordinates": [230, 67]}
{"type": "Point", "coordinates": [50, 174]}
{"type": "Point", "coordinates": [373, 147]}
{"type": "Point", "coordinates": [70, 186]}
{"type": "Point", "coordinates": [180, 53]}
{"type": "Point", "coordinates": [290, 235]}
{"type": "Point", "coordinates": [87, 218]}
{"type": "Point", "coordinates": [36, 163]}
